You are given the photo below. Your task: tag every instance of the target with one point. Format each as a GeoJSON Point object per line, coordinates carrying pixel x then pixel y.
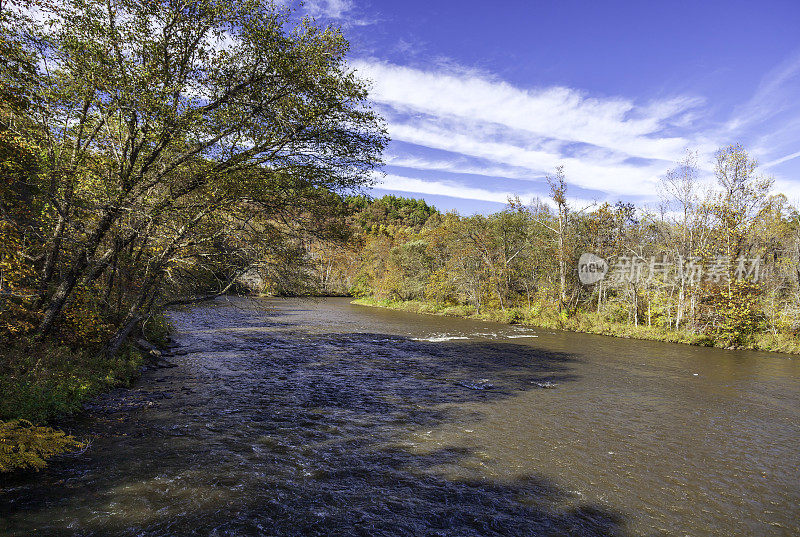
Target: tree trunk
{"type": "Point", "coordinates": [122, 334]}
{"type": "Point", "coordinates": [67, 284]}
{"type": "Point", "coordinates": [57, 302]}
{"type": "Point", "coordinates": [52, 257]}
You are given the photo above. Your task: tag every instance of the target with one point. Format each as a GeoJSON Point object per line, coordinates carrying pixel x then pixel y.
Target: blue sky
{"type": "Point", "coordinates": [483, 99]}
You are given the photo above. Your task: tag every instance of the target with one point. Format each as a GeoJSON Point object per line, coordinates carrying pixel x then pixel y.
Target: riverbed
{"type": "Point", "coordinates": [318, 417]}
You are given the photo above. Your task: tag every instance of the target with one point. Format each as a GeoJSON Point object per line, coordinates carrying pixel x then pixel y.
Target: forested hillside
{"type": "Point", "coordinates": [371, 225]}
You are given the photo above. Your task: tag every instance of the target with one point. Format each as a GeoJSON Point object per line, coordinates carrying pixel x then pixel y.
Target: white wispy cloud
{"type": "Point", "coordinates": [455, 190]}
{"type": "Point", "coordinates": [462, 165]}
{"type": "Point", "coordinates": [442, 188]}
{"type": "Point", "coordinates": [609, 144]}
{"type": "Point", "coordinates": [344, 12]}
{"type": "Point", "coordinates": [598, 173]}
{"type": "Point", "coordinates": [478, 124]}
{"type": "Point", "coordinates": [776, 94]}
{"type": "Point", "coordinates": [332, 9]}
{"type": "Point", "coordinates": [769, 121]}
{"type": "Point", "coordinates": [555, 112]}
{"type": "Point", "coordinates": [783, 159]}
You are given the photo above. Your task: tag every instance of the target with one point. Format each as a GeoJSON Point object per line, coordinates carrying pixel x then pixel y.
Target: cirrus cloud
{"type": "Point", "coordinates": [612, 144]}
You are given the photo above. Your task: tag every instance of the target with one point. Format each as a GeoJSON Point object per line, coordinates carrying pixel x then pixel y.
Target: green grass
{"type": "Point", "coordinates": [40, 382]}
{"type": "Point", "coordinates": [590, 323]}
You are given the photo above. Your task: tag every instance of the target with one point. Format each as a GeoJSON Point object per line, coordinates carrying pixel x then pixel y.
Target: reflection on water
{"type": "Point", "coordinates": [315, 417]}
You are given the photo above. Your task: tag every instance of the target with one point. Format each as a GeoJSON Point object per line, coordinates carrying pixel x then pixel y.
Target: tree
{"type": "Point", "coordinates": [20, 162]}
{"type": "Point", "coordinates": [679, 192]}
{"type": "Point", "coordinates": [558, 192]}
{"type": "Point", "coordinates": [743, 195]}
{"type": "Point", "coordinates": [733, 308]}
{"type": "Point", "coordinates": [174, 132]}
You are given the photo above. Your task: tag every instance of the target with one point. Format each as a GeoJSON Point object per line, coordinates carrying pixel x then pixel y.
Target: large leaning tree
{"type": "Point", "coordinates": [177, 142]}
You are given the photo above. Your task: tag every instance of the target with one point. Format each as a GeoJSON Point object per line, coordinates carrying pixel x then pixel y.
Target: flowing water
{"type": "Point", "coordinates": [317, 417]}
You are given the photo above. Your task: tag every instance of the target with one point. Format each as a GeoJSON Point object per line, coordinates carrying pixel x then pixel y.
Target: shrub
{"type": "Point", "coordinates": [733, 313]}
{"type": "Point", "coordinates": [41, 381]}
{"type": "Point", "coordinates": [514, 316]}
{"type": "Point", "coordinates": [25, 446]}
{"type": "Point", "coordinates": [156, 329]}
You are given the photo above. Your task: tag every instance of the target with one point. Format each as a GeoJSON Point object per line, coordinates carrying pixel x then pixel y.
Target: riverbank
{"type": "Point", "coordinates": [42, 382]}
{"type": "Point", "coordinates": [587, 323]}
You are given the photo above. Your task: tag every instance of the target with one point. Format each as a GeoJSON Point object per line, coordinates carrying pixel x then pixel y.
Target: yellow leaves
{"type": "Point", "coordinates": [734, 311]}
{"type": "Point", "coordinates": [16, 154]}
{"type": "Point", "coordinates": [26, 446]}
{"type": "Point", "coordinates": [14, 268]}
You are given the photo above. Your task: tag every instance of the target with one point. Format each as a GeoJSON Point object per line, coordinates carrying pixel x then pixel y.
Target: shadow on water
{"type": "Point", "coordinates": [286, 432]}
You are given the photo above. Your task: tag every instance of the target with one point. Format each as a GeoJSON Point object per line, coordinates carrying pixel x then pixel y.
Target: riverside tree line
{"type": "Point", "coordinates": [152, 153]}
{"type": "Point", "coordinates": [714, 263]}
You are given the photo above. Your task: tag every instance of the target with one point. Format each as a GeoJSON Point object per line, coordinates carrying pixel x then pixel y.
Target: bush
{"type": "Point", "coordinates": [156, 330]}
{"type": "Point", "coordinates": [703, 340]}
{"type": "Point", "coordinates": [514, 316]}
{"type": "Point", "coordinates": [83, 323]}
{"type": "Point", "coordinates": [25, 446]}
{"type": "Point", "coordinates": [361, 288]}
{"type": "Point", "coordinates": [732, 313]}
{"type": "Point", "coordinates": [42, 381]}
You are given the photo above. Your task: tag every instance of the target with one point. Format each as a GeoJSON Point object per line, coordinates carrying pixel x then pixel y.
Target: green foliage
{"type": "Point", "coordinates": [153, 153]}
{"type": "Point", "coordinates": [514, 316]}
{"type": "Point", "coordinates": [441, 287]}
{"type": "Point", "coordinates": [140, 168]}
{"type": "Point", "coordinates": [389, 210]}
{"type": "Point", "coordinates": [361, 287]}
{"type": "Point", "coordinates": [156, 329]}
{"type": "Point", "coordinates": [734, 313]}
{"type": "Point", "coordinates": [17, 314]}
{"type": "Point", "coordinates": [41, 381]}
{"type": "Point", "coordinates": [24, 446]}
{"type": "Point", "coordinates": [159, 165]}
{"type": "Point", "coordinates": [84, 324]}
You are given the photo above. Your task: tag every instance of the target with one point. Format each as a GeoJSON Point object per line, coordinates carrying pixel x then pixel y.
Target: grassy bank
{"type": "Point", "coordinates": [43, 381]}
{"type": "Point", "coordinates": [589, 323]}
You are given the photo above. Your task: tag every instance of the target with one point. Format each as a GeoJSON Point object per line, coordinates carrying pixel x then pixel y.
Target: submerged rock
{"type": "Point", "coordinates": [480, 384]}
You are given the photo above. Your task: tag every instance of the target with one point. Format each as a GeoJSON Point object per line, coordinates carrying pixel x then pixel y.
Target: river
{"type": "Point", "coordinates": [318, 417]}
